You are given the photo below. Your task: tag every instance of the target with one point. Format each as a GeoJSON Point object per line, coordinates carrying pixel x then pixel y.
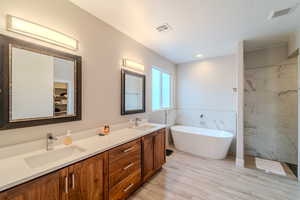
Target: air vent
{"type": "Point", "coordinates": [280, 13]}
{"type": "Point", "coordinates": [164, 28]}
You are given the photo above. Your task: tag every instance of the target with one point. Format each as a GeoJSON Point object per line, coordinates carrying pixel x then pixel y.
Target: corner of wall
{"type": "Point", "coordinates": [294, 43]}
{"type": "Point", "coordinates": [240, 105]}
{"type": "Point", "coordinates": [240, 163]}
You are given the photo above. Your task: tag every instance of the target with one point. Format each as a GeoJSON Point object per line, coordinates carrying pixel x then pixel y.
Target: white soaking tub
{"type": "Point", "coordinates": [203, 142]}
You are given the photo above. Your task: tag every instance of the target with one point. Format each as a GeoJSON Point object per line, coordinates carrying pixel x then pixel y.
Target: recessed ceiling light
{"type": "Point", "coordinates": [199, 55]}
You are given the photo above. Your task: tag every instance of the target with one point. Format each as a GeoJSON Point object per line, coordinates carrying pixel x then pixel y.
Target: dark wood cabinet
{"type": "Point", "coordinates": [159, 149]}
{"type": "Point", "coordinates": [153, 153]}
{"type": "Point", "coordinates": [148, 156]}
{"type": "Point", "coordinates": [126, 187]}
{"type": "Point", "coordinates": [44, 188]}
{"type": "Point", "coordinates": [112, 175]}
{"type": "Point", "coordinates": [124, 170]}
{"type": "Point", "coordinates": [85, 180]}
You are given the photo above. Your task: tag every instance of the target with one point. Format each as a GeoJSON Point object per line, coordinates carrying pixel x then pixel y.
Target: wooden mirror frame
{"type": "Point", "coordinates": [5, 123]}
{"type": "Point", "coordinates": [123, 111]}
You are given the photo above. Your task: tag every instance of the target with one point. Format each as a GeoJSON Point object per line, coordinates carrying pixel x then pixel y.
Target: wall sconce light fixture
{"type": "Point", "coordinates": [133, 65]}
{"type": "Point", "coordinates": [33, 30]}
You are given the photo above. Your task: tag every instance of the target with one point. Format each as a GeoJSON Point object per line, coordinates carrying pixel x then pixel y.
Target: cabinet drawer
{"type": "Point", "coordinates": [129, 149]}
{"type": "Point", "coordinates": [126, 187]}
{"type": "Point", "coordinates": [122, 168]}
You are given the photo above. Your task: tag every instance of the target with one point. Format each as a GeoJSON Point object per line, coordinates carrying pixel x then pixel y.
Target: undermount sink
{"type": "Point", "coordinates": [52, 156]}
{"type": "Point", "coordinates": [145, 127]}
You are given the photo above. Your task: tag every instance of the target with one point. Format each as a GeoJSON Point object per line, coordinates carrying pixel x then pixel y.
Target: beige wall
{"type": "Point", "coordinates": [207, 84]}
{"type": "Point", "coordinates": [102, 49]}
{"type": "Point", "coordinates": [206, 88]}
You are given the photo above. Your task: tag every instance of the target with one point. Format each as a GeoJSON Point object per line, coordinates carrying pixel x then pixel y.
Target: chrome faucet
{"type": "Point", "coordinates": [136, 122]}
{"type": "Point", "coordinates": [49, 141]}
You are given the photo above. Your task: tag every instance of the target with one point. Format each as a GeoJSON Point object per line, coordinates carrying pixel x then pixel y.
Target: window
{"type": "Point", "coordinates": [161, 90]}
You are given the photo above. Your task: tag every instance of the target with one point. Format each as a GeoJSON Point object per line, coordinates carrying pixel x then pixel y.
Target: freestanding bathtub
{"type": "Point", "coordinates": [202, 142]}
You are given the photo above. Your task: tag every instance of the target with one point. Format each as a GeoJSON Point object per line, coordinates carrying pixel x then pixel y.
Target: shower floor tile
{"type": "Point", "coordinates": [269, 166]}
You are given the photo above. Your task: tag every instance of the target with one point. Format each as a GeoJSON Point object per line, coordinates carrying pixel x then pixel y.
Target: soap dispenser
{"type": "Point", "coordinates": [68, 139]}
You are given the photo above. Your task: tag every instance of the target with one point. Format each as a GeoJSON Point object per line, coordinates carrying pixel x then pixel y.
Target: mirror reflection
{"type": "Point", "coordinates": [42, 86]}
{"type": "Point", "coordinates": [133, 92]}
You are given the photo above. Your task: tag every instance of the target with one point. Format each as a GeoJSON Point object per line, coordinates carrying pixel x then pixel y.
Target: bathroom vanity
{"type": "Point", "coordinates": [112, 174]}
{"type": "Point", "coordinates": [49, 83]}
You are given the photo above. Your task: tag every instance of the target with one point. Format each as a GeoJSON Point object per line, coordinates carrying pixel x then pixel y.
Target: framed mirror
{"type": "Point", "coordinates": [132, 92]}
{"type": "Point", "coordinates": [38, 85]}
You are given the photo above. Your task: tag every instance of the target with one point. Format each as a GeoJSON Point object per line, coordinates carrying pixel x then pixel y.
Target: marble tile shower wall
{"type": "Point", "coordinates": [212, 119]}
{"type": "Point", "coordinates": [271, 111]}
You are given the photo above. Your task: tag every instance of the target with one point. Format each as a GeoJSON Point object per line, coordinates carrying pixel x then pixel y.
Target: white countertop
{"type": "Point", "coordinates": [15, 171]}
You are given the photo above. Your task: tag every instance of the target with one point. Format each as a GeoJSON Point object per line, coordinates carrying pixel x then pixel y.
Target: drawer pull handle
{"type": "Point", "coordinates": [73, 180]}
{"type": "Point", "coordinates": [66, 185]}
{"type": "Point", "coordinates": [128, 166]}
{"type": "Point", "coordinates": [129, 149]}
{"type": "Point", "coordinates": [128, 188]}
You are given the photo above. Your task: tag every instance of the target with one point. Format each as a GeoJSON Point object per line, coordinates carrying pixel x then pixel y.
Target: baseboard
{"type": "Point", "coordinates": [240, 163]}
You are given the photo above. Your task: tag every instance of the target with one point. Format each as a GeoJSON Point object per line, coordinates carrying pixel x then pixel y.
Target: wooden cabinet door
{"type": "Point", "coordinates": [148, 156]}
{"type": "Point", "coordinates": [64, 184]}
{"type": "Point", "coordinates": [44, 188]}
{"type": "Point", "coordinates": [159, 149]}
{"type": "Point", "coordinates": [88, 179]}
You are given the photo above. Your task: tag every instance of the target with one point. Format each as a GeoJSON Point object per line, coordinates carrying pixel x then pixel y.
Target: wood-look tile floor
{"type": "Point", "coordinates": [188, 177]}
